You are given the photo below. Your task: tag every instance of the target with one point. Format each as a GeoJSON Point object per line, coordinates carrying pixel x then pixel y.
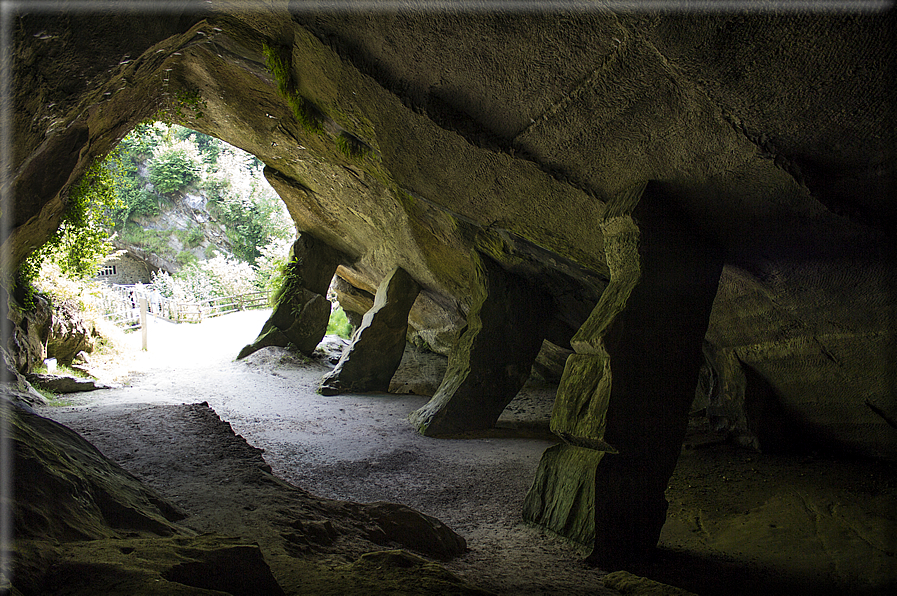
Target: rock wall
{"type": "Point", "coordinates": [431, 142]}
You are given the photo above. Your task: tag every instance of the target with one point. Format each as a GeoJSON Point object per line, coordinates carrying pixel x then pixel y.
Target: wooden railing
{"type": "Point", "coordinates": [122, 306]}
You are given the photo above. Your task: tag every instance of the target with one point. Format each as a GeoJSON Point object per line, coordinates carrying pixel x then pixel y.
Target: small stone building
{"type": "Point", "coordinates": [125, 269]}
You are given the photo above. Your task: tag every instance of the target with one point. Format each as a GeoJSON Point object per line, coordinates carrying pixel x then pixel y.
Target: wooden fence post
{"type": "Point", "coordinates": [143, 322]}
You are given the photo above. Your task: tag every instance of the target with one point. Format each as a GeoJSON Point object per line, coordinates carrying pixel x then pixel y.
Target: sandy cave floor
{"type": "Point", "coordinates": [739, 522]}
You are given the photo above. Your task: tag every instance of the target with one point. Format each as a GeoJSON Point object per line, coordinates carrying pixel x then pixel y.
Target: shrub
{"type": "Point", "coordinates": [174, 168]}
{"type": "Point", "coordinates": [185, 257]}
{"type": "Point", "coordinates": [270, 266]}
{"type": "Point", "coordinates": [194, 237]}
{"type": "Point", "coordinates": [82, 240]}
{"type": "Point", "coordinates": [204, 280]}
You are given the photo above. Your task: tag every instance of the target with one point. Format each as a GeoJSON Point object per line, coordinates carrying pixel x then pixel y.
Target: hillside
{"type": "Point", "coordinates": [186, 197]}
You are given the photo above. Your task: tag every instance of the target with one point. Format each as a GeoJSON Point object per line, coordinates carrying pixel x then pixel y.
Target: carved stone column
{"type": "Point", "coordinates": [377, 346]}
{"type": "Point", "coordinates": [622, 406]}
{"type": "Point", "coordinates": [302, 312]}
{"type": "Point", "coordinates": [493, 356]}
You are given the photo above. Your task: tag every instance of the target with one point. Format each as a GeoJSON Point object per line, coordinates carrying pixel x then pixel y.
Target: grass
{"type": "Point", "coordinates": [150, 240]}
{"type": "Point", "coordinates": [61, 370]}
{"type": "Point", "coordinates": [56, 401]}
{"type": "Point", "coordinates": [339, 324]}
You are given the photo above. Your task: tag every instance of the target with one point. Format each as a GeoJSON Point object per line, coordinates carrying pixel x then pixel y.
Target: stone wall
{"type": "Point", "coordinates": [124, 269]}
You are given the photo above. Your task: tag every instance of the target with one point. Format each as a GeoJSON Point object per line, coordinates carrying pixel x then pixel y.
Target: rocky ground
{"type": "Point", "coordinates": [739, 522]}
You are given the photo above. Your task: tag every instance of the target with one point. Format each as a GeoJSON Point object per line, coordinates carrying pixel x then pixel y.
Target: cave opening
{"type": "Point", "coordinates": [628, 232]}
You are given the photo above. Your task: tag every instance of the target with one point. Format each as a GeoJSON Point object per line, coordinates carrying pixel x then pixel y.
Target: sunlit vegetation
{"type": "Point", "coordinates": [160, 172]}
{"type": "Point", "coordinates": [339, 324]}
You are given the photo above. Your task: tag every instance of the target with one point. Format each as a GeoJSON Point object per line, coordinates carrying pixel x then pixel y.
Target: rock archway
{"type": "Point", "coordinates": [484, 155]}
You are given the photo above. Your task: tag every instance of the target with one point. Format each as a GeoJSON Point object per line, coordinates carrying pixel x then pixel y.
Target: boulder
{"type": "Point", "coordinates": [65, 383]}
{"type": "Point", "coordinates": [302, 312]}
{"type": "Point", "coordinates": [354, 301]}
{"type": "Point", "coordinates": [415, 530]}
{"type": "Point", "coordinates": [67, 490]}
{"type": "Point", "coordinates": [239, 570]}
{"type": "Point", "coordinates": [630, 584]}
{"type": "Point", "coordinates": [420, 372]}
{"type": "Point", "coordinates": [69, 333]}
{"type": "Point", "coordinates": [406, 573]}
{"type": "Point", "coordinates": [550, 363]}
{"type": "Point", "coordinates": [331, 348]}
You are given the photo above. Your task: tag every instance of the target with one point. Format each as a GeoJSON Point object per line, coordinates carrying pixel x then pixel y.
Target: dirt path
{"type": "Point", "coordinates": [739, 523]}
{"type": "Point", "coordinates": [352, 447]}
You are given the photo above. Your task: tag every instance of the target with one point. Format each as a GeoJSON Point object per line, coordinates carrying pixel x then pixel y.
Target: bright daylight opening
{"type": "Point", "coordinates": [188, 224]}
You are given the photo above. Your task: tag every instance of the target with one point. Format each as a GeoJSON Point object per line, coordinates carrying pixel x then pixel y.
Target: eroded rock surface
{"type": "Point", "coordinates": [395, 144]}
{"type": "Point", "coordinates": [65, 383]}
{"type": "Point", "coordinates": [377, 346]}
{"type": "Point", "coordinates": [84, 525]}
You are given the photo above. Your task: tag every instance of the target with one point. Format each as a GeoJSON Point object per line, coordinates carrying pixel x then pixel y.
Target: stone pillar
{"type": "Point", "coordinates": [493, 356]}
{"type": "Point", "coordinates": [622, 406]}
{"type": "Point", "coordinates": [302, 312]}
{"type": "Point", "coordinates": [377, 346]}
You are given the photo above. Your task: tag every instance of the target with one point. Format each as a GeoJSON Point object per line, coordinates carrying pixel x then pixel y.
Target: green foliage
{"type": "Point", "coordinates": [269, 267]}
{"type": "Point", "coordinates": [135, 148]}
{"type": "Point", "coordinates": [285, 282]}
{"type": "Point", "coordinates": [185, 257]}
{"type": "Point", "coordinates": [254, 217]}
{"type": "Point", "coordinates": [339, 324]}
{"type": "Point", "coordinates": [61, 369]}
{"type": "Point", "coordinates": [306, 112]}
{"type": "Point", "coordinates": [245, 228]}
{"type": "Point", "coordinates": [140, 142]}
{"type": "Point", "coordinates": [252, 214]}
{"type": "Point", "coordinates": [153, 241]}
{"type": "Point", "coordinates": [205, 280]}
{"type": "Point", "coordinates": [173, 170]}
{"type": "Point", "coordinates": [351, 146]}
{"type": "Point", "coordinates": [189, 100]}
{"type": "Point", "coordinates": [194, 237]}
{"type": "Point", "coordinates": [134, 200]}
{"type": "Point", "coordinates": [82, 239]}
{"type": "Point", "coordinates": [187, 103]}
{"type": "Point", "coordinates": [208, 146]}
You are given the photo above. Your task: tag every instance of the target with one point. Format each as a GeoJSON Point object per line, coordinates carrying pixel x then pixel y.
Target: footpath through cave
{"type": "Point", "coordinates": [357, 447]}
{"type": "Point", "coordinates": [737, 524]}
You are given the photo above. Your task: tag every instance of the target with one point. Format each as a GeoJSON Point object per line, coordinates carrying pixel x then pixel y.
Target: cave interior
{"type": "Point", "coordinates": [688, 211]}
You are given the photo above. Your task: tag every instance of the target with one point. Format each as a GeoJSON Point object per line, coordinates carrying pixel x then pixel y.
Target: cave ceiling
{"type": "Point", "coordinates": [433, 139]}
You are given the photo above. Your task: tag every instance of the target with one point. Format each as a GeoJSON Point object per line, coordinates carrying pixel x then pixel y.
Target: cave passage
{"type": "Point", "coordinates": [531, 219]}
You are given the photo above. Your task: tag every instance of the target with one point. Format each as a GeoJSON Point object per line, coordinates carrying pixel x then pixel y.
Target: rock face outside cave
{"type": "Point", "coordinates": [492, 182]}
